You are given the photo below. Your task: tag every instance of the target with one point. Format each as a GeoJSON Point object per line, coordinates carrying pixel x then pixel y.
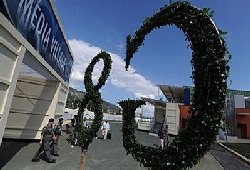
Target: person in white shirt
{"type": "Point", "coordinates": [105, 129]}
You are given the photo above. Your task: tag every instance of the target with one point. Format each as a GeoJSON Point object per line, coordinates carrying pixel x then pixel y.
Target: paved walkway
{"type": "Point", "coordinates": [102, 155]}
{"type": "Point", "coordinates": [231, 139]}
{"type": "Point", "coordinates": [227, 159]}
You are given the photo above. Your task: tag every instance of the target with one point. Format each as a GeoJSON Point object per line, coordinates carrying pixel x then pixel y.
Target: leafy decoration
{"type": "Point", "coordinates": [85, 136]}
{"type": "Point", "coordinates": [209, 62]}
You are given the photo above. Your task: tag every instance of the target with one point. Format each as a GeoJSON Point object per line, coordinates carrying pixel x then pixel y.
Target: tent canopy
{"type": "Point", "coordinates": [172, 93]}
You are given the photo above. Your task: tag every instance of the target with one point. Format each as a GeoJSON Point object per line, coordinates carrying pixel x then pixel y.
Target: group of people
{"type": "Point", "coordinates": [49, 141]}
{"type": "Point", "coordinates": [51, 133]}
{"type": "Point", "coordinates": [73, 134]}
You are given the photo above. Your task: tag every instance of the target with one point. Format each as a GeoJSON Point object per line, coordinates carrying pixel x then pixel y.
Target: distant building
{"type": "Point", "coordinates": [176, 110]}
{"type": "Point", "coordinates": [35, 66]}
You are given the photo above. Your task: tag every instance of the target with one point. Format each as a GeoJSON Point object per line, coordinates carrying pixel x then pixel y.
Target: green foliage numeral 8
{"type": "Point", "coordinates": [85, 136]}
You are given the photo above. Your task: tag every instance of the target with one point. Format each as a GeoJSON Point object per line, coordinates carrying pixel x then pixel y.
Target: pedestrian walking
{"type": "Point", "coordinates": [58, 133]}
{"type": "Point", "coordinates": [163, 136]}
{"type": "Point", "coordinates": [72, 133]}
{"type": "Point", "coordinates": [222, 129]}
{"type": "Point", "coordinates": [85, 123]}
{"type": "Point", "coordinates": [166, 137]}
{"type": "Point", "coordinates": [45, 143]}
{"type": "Point", "coordinates": [105, 129]}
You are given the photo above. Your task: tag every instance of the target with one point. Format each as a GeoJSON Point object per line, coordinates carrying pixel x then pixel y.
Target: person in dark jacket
{"type": "Point", "coordinates": [57, 132]}
{"type": "Point", "coordinates": [73, 137]}
{"type": "Point", "coordinates": [163, 136]}
{"type": "Point", "coordinates": [166, 138]}
{"type": "Point", "coordinates": [45, 143]}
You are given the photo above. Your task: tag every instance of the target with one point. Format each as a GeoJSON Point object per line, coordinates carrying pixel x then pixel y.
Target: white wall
{"type": "Point", "coordinates": [173, 118]}
{"type": "Point", "coordinates": [30, 90]}
{"type": "Point", "coordinates": [31, 106]}
{"type": "Point", "coordinates": [11, 56]}
{"type": "Point", "coordinates": [239, 101]}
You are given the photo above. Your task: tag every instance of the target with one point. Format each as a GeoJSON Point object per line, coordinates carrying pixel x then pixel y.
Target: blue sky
{"type": "Point", "coordinates": [94, 25]}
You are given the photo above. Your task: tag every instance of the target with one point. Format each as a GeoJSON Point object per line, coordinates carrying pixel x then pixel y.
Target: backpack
{"type": "Point", "coordinates": [57, 130]}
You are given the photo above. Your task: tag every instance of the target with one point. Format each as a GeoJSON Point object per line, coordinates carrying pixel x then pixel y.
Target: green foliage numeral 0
{"type": "Point", "coordinates": [210, 72]}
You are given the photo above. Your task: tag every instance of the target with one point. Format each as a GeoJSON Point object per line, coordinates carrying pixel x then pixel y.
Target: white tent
{"type": "Point", "coordinates": [69, 114]}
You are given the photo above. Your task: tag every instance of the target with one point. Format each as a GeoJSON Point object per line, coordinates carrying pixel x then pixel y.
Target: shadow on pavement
{"type": "Point", "coordinates": [9, 148]}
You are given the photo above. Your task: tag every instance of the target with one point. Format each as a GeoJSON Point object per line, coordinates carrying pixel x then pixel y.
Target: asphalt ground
{"type": "Point", "coordinates": [102, 155]}
{"type": "Point", "coordinates": [227, 159]}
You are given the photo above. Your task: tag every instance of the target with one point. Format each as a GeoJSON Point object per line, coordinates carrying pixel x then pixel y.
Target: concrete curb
{"type": "Point", "coordinates": [153, 134]}
{"type": "Point", "coordinates": [243, 158]}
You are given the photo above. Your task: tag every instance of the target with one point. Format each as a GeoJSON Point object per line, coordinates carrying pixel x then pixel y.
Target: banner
{"type": "Point", "coordinates": [35, 20]}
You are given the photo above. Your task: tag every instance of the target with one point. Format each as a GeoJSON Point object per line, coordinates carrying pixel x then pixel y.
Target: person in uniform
{"type": "Point", "coordinates": [57, 132]}
{"type": "Point", "coordinates": [45, 143]}
{"type": "Point", "coordinates": [72, 135]}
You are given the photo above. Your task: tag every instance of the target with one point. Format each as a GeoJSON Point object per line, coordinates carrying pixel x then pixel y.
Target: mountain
{"type": "Point", "coordinates": [75, 92]}
{"type": "Point", "coordinates": [111, 108]}
{"type": "Point", "coordinates": [75, 96]}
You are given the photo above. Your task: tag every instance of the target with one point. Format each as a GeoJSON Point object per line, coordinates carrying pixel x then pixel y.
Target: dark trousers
{"type": "Point", "coordinates": [166, 141]}
{"type": "Point", "coordinates": [55, 146]}
{"type": "Point", "coordinates": [38, 152]}
{"type": "Point", "coordinates": [73, 138]}
{"type": "Point", "coordinates": [43, 148]}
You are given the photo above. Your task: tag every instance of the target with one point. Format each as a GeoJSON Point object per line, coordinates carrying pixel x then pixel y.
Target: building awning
{"type": "Point", "coordinates": [155, 102]}
{"type": "Point", "coordinates": [174, 93]}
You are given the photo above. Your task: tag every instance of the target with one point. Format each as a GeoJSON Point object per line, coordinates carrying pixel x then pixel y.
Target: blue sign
{"type": "Point", "coordinates": [36, 21]}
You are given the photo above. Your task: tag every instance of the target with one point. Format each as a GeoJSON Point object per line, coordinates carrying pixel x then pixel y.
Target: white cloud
{"type": "Point", "coordinates": [147, 110]}
{"type": "Point", "coordinates": [128, 80]}
{"type": "Point", "coordinates": [121, 45]}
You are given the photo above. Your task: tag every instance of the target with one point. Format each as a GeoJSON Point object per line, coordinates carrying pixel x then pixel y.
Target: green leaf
{"type": "Point", "coordinates": [208, 12]}
{"type": "Point", "coordinates": [222, 33]}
